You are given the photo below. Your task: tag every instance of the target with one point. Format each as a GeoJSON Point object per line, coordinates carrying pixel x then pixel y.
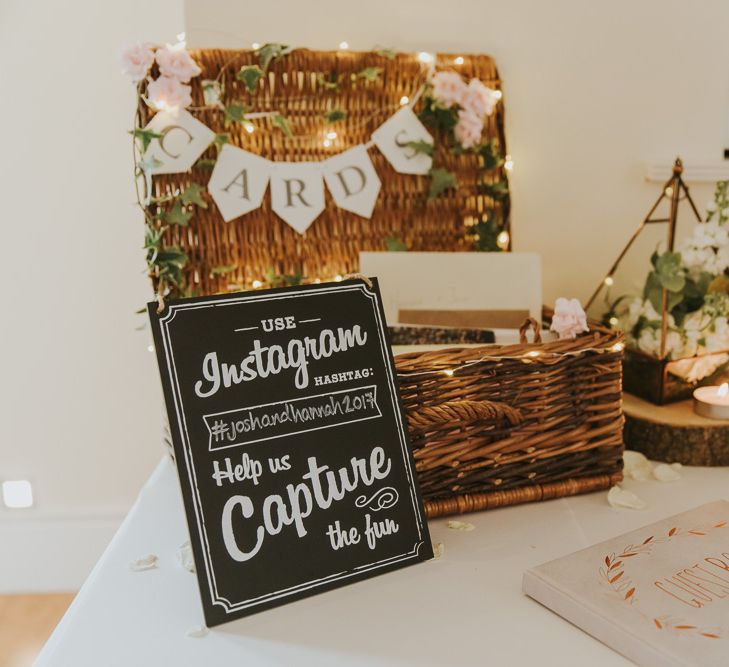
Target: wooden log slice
{"type": "Point", "coordinates": [675, 433]}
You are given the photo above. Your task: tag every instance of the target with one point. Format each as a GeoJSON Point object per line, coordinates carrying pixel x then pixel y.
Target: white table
{"type": "Point", "coordinates": [465, 609]}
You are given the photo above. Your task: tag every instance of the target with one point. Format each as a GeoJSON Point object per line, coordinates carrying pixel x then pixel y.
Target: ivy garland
{"type": "Point", "coordinates": [166, 263]}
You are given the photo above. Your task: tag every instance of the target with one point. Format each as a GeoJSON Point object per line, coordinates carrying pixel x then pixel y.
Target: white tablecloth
{"type": "Point", "coordinates": [465, 609]}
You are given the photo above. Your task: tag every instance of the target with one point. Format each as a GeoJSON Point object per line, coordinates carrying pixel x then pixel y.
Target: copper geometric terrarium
{"type": "Point", "coordinates": [677, 336]}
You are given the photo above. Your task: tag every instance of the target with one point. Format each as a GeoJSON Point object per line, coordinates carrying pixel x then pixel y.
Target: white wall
{"type": "Point", "coordinates": [79, 396]}
{"type": "Point", "coordinates": [592, 90]}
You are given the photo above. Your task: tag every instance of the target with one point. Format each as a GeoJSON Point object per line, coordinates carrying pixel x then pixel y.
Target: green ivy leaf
{"type": "Point", "coordinates": [235, 113]}
{"type": "Point", "coordinates": [144, 137]}
{"type": "Point", "coordinates": [250, 75]}
{"type": "Point", "coordinates": [440, 181]}
{"type": "Point", "coordinates": [270, 52]}
{"type": "Point", "coordinates": [333, 116]}
{"type": "Point", "coordinates": [394, 244]}
{"type": "Point", "coordinates": [293, 278]}
{"type": "Point", "coordinates": [212, 92]}
{"type": "Point", "coordinates": [489, 155]}
{"type": "Point", "coordinates": [193, 195]}
{"type": "Point", "coordinates": [205, 164]}
{"type": "Point", "coordinates": [178, 215]}
{"type": "Point", "coordinates": [498, 190]}
{"type": "Point", "coordinates": [220, 140]}
{"type": "Point", "coordinates": [282, 123]}
{"type": "Point", "coordinates": [421, 147]}
{"type": "Point", "coordinates": [330, 82]}
{"type": "Point", "coordinates": [223, 270]}
{"type": "Point", "coordinates": [438, 118]}
{"type": "Point", "coordinates": [386, 53]}
{"type": "Point", "coordinates": [369, 73]}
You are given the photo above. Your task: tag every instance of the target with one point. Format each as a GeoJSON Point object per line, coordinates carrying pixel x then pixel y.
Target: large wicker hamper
{"type": "Point", "coordinates": [499, 425]}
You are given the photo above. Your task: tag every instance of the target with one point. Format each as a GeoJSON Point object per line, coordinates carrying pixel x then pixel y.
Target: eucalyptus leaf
{"type": "Point", "coordinates": [386, 53]}
{"type": "Point", "coordinates": [223, 270]}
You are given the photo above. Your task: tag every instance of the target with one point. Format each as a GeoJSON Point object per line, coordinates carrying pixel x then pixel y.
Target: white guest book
{"type": "Point", "coordinates": [658, 595]}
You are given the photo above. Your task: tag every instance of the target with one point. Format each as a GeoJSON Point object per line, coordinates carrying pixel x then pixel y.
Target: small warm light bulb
{"type": "Point", "coordinates": [613, 321]}
{"type": "Point", "coordinates": [533, 353]}
{"type": "Point", "coordinates": [331, 135]}
{"type": "Point", "coordinates": [257, 284]}
{"type": "Point", "coordinates": [150, 348]}
{"type": "Point", "coordinates": [502, 240]}
{"type": "Point", "coordinates": [609, 281]}
{"type": "Point", "coordinates": [498, 94]}
{"type": "Point", "coordinates": [181, 38]}
{"type": "Point", "coordinates": [448, 372]}
{"type": "Point", "coordinates": [508, 163]}
{"type": "Point", "coordinates": [250, 127]}
{"type": "Point", "coordinates": [404, 100]}
{"type": "Point", "coordinates": [723, 389]}
{"type": "Point", "coordinates": [255, 46]}
{"type": "Point", "coordinates": [343, 45]}
{"type": "Point", "coordinates": [618, 347]}
{"type": "Point", "coordinates": [425, 57]}
{"type": "Point", "coordinates": [317, 280]}
{"type": "Point", "coordinates": [669, 191]}
{"type": "Point", "coordinates": [458, 60]}
{"type": "Point", "coordinates": [338, 278]}
{"type": "Point", "coordinates": [326, 143]}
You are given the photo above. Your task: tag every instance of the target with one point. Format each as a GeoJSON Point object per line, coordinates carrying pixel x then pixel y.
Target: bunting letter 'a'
{"type": "Point", "coordinates": [238, 182]}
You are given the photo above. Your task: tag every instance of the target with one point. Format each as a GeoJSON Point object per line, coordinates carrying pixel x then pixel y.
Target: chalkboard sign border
{"type": "Point", "coordinates": [421, 550]}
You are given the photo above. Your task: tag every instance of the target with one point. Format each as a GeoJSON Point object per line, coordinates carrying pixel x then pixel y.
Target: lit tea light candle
{"type": "Point", "coordinates": [712, 402]}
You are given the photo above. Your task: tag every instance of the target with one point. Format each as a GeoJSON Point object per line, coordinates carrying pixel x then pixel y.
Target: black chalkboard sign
{"type": "Point", "coordinates": [290, 442]}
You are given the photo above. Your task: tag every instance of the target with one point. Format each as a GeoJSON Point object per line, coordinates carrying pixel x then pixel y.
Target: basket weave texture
{"type": "Point", "coordinates": [499, 425]}
{"type": "Point", "coordinates": [259, 241]}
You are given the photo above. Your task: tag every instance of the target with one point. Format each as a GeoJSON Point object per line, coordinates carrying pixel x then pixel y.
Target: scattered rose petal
{"type": "Point", "coordinates": [438, 549]}
{"type": "Point", "coordinates": [666, 473]}
{"type": "Point", "coordinates": [460, 525]}
{"type": "Point", "coordinates": [147, 562]}
{"type": "Point", "coordinates": [197, 631]}
{"type": "Point", "coordinates": [636, 466]}
{"type": "Point", "coordinates": [184, 557]}
{"type": "Point", "coordinates": [618, 497]}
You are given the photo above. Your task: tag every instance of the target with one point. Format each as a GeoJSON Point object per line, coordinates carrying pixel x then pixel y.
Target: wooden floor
{"type": "Point", "coordinates": [26, 622]}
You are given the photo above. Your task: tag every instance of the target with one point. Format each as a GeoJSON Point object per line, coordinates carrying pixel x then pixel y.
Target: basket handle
{"type": "Point", "coordinates": [462, 411]}
{"type": "Point", "coordinates": [530, 322]}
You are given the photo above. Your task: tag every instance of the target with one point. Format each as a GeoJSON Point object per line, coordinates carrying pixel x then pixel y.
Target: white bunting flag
{"type": "Point", "coordinates": [297, 193]}
{"type": "Point", "coordinates": [238, 182]}
{"type": "Point", "coordinates": [393, 137]}
{"type": "Point", "coordinates": [353, 181]}
{"type": "Point", "coordinates": [183, 141]}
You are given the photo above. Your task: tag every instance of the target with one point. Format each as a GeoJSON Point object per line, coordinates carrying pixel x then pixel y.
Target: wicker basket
{"type": "Point", "coordinates": [499, 425]}
{"type": "Point", "coordinates": [260, 241]}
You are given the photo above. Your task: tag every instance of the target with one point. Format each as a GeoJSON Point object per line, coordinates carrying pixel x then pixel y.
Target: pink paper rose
{"type": "Point", "coordinates": [569, 319]}
{"type": "Point", "coordinates": [448, 87]}
{"type": "Point", "coordinates": [135, 60]}
{"type": "Point", "coordinates": [478, 99]}
{"type": "Point", "coordinates": [468, 129]}
{"type": "Point", "coordinates": [168, 94]}
{"type": "Point", "coordinates": [176, 63]}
